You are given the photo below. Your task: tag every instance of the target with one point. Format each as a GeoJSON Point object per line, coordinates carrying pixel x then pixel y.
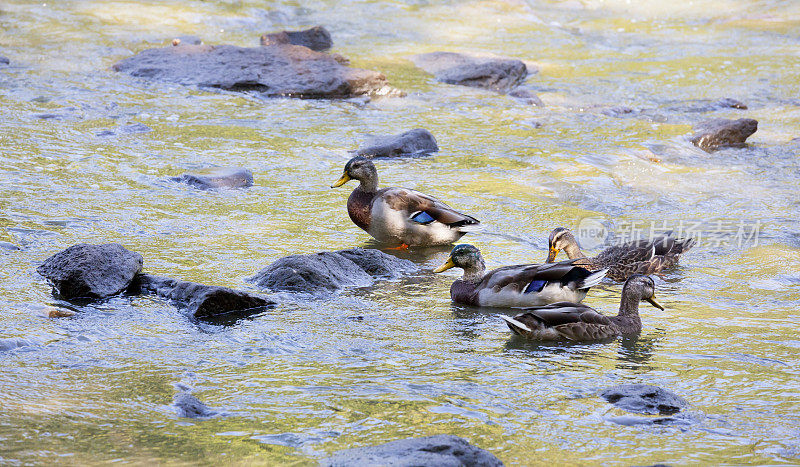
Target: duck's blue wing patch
{"type": "Point", "coordinates": [422, 217]}
{"type": "Point", "coordinates": [535, 286]}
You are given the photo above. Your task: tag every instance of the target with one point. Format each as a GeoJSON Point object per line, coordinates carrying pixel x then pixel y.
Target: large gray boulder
{"type": "Point", "coordinates": [439, 450]}
{"type": "Point", "coordinates": [204, 301]}
{"type": "Point", "coordinates": [330, 271]}
{"type": "Point", "coordinates": [719, 133]}
{"type": "Point", "coordinates": [644, 399]}
{"type": "Point", "coordinates": [91, 271]}
{"type": "Point", "coordinates": [316, 38]}
{"type": "Point", "coordinates": [496, 74]}
{"type": "Point", "coordinates": [413, 142]}
{"type": "Point", "coordinates": [273, 70]}
{"type": "Point", "coordinates": [217, 177]}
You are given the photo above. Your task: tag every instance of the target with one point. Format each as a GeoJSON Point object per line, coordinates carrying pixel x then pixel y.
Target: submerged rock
{"type": "Point", "coordinates": [412, 142]}
{"type": "Point", "coordinates": [316, 38]}
{"type": "Point", "coordinates": [644, 399]}
{"type": "Point", "coordinates": [719, 133]}
{"type": "Point", "coordinates": [132, 129]}
{"type": "Point", "coordinates": [11, 343]}
{"type": "Point", "coordinates": [186, 405]}
{"type": "Point", "coordinates": [439, 450]}
{"type": "Point", "coordinates": [526, 96]}
{"type": "Point", "coordinates": [203, 301]}
{"type": "Point", "coordinates": [4, 60]}
{"type": "Point", "coordinates": [220, 177]}
{"type": "Point", "coordinates": [91, 271]}
{"type": "Point", "coordinates": [330, 271]}
{"type": "Point", "coordinates": [274, 70]}
{"type": "Point", "coordinates": [708, 105]}
{"type": "Point", "coordinates": [496, 74]}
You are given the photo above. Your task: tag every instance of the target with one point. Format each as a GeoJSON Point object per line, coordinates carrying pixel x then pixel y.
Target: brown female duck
{"type": "Point", "coordinates": [400, 216]}
{"type": "Point", "coordinates": [622, 261]}
{"type": "Point", "coordinates": [577, 322]}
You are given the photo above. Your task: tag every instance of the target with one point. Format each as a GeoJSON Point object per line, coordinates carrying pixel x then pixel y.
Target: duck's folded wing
{"type": "Point", "coordinates": [561, 313]}
{"type": "Point", "coordinates": [413, 203]}
{"type": "Point", "coordinates": [524, 274]}
{"type": "Point", "coordinates": [587, 331]}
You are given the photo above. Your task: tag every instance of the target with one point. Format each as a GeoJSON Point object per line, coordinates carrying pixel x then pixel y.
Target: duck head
{"type": "Point", "coordinates": [361, 169]}
{"type": "Point", "coordinates": [466, 257]}
{"type": "Point", "coordinates": [562, 239]}
{"type": "Point", "coordinates": [640, 288]}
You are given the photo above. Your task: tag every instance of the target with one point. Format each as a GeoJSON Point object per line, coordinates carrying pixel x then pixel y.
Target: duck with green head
{"type": "Point", "coordinates": [622, 261]}
{"type": "Point", "coordinates": [516, 286]}
{"type": "Point", "coordinates": [578, 322]}
{"type": "Point", "coordinates": [400, 216]}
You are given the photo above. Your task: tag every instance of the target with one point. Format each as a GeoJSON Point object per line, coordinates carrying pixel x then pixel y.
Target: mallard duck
{"type": "Point", "coordinates": [578, 322]}
{"type": "Point", "coordinates": [516, 286]}
{"type": "Point", "coordinates": [400, 216]}
{"type": "Point", "coordinates": [622, 261]}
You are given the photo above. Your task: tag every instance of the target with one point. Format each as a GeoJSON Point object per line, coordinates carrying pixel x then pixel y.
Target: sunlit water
{"type": "Point", "coordinates": [309, 378]}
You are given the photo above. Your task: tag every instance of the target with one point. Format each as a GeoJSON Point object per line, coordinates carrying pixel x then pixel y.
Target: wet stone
{"type": "Point", "coordinates": [414, 142]}
{"type": "Point", "coordinates": [439, 450]}
{"type": "Point", "coordinates": [719, 133]}
{"type": "Point", "coordinates": [91, 271]}
{"type": "Point", "coordinates": [203, 301]}
{"type": "Point", "coordinates": [526, 96]}
{"type": "Point", "coordinates": [317, 38]}
{"type": "Point", "coordinates": [188, 406]}
{"type": "Point", "coordinates": [330, 271]}
{"type": "Point", "coordinates": [12, 343]}
{"type": "Point", "coordinates": [132, 129]}
{"type": "Point", "coordinates": [4, 60]}
{"type": "Point", "coordinates": [496, 74]}
{"type": "Point", "coordinates": [271, 71]}
{"type": "Point", "coordinates": [221, 177]}
{"type": "Point", "coordinates": [644, 399]}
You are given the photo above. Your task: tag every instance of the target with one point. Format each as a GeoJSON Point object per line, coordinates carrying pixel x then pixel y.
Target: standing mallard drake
{"type": "Point", "coordinates": [578, 322]}
{"type": "Point", "coordinates": [516, 286]}
{"type": "Point", "coordinates": [622, 261]}
{"type": "Point", "coordinates": [400, 216]}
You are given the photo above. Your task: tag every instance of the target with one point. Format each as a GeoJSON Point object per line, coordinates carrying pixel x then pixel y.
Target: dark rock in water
{"type": "Point", "coordinates": [497, 74]}
{"type": "Point", "coordinates": [186, 40]}
{"type": "Point", "coordinates": [274, 70]}
{"type": "Point", "coordinates": [203, 301]}
{"type": "Point", "coordinates": [707, 105]}
{"type": "Point", "coordinates": [719, 133]}
{"type": "Point", "coordinates": [439, 450]}
{"type": "Point", "coordinates": [91, 271]}
{"type": "Point", "coordinates": [220, 177]}
{"type": "Point", "coordinates": [644, 399]}
{"type": "Point", "coordinates": [4, 60]}
{"type": "Point", "coordinates": [618, 111]}
{"type": "Point", "coordinates": [413, 142]}
{"type": "Point", "coordinates": [330, 271]}
{"type": "Point", "coordinates": [316, 38]}
{"type": "Point", "coordinates": [527, 96]}
{"type": "Point", "coordinates": [131, 129]}
{"type": "Point", "coordinates": [11, 343]}
{"type": "Point", "coordinates": [186, 405]}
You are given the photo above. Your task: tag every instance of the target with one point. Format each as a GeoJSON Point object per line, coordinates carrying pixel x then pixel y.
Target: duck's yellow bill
{"type": "Point", "coordinates": [653, 302]}
{"type": "Point", "coordinates": [449, 264]}
{"type": "Point", "coordinates": [344, 179]}
{"type": "Point", "coordinates": [552, 255]}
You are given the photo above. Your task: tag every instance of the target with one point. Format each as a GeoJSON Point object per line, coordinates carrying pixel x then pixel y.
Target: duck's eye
{"type": "Point", "coordinates": [422, 217]}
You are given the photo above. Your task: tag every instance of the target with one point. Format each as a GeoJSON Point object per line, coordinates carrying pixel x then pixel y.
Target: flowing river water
{"type": "Point", "coordinates": [397, 359]}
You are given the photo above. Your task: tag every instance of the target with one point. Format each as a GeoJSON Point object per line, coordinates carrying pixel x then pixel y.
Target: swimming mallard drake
{"type": "Point", "coordinates": [622, 261]}
{"type": "Point", "coordinates": [400, 216]}
{"type": "Point", "coordinates": [578, 322]}
{"type": "Point", "coordinates": [516, 286]}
